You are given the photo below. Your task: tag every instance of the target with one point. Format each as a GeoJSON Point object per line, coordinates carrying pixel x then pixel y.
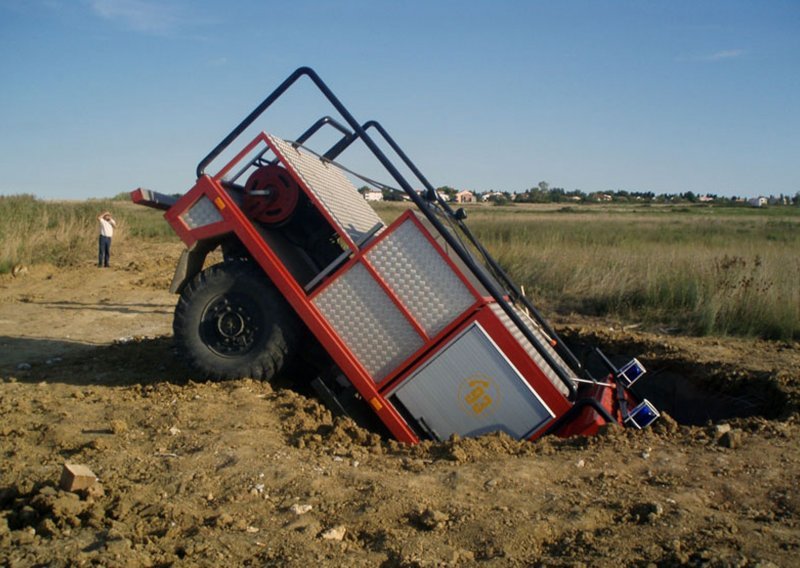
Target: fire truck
{"type": "Point", "coordinates": [413, 320]}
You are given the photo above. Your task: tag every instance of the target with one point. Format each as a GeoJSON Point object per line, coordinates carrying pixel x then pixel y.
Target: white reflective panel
{"type": "Point", "coordinates": [531, 350]}
{"type": "Point", "coordinates": [470, 388]}
{"type": "Point", "coordinates": [349, 210]}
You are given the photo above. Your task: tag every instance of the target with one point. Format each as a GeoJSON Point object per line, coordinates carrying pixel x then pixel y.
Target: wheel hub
{"type": "Point", "coordinates": [231, 325]}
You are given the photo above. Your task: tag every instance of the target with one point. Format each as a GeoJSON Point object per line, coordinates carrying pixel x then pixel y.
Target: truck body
{"type": "Point", "coordinates": [413, 320]}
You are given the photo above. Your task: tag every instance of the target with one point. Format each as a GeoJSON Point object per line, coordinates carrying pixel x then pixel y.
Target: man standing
{"type": "Point", "coordinates": [107, 225]}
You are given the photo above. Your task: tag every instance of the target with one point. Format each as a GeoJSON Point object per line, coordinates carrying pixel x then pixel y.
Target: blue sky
{"type": "Point", "coordinates": [103, 96]}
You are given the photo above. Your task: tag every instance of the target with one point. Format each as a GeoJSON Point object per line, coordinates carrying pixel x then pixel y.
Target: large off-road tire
{"type": "Point", "coordinates": [232, 322]}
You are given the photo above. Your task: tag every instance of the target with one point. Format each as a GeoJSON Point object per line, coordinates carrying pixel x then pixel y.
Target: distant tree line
{"type": "Point", "coordinates": [544, 193]}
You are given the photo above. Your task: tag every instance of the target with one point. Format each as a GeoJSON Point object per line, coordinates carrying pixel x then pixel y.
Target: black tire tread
{"type": "Point", "coordinates": [264, 364]}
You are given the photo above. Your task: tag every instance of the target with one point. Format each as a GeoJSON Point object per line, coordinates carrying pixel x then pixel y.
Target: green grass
{"type": "Point", "coordinates": [61, 233]}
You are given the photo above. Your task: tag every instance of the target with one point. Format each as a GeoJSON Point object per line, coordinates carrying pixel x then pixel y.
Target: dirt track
{"type": "Point", "coordinates": [245, 473]}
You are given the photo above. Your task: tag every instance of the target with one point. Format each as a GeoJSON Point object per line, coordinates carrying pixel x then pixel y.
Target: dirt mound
{"type": "Point", "coordinates": [247, 473]}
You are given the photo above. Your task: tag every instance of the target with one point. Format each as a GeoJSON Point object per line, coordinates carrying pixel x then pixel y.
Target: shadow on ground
{"type": "Point", "coordinates": [166, 309]}
{"type": "Point", "coordinates": [136, 361]}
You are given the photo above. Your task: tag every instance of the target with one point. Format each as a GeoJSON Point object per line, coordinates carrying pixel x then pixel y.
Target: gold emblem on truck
{"type": "Point", "coordinates": [478, 395]}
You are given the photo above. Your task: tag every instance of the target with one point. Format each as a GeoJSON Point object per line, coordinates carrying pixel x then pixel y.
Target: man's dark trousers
{"type": "Point", "coordinates": [104, 251]}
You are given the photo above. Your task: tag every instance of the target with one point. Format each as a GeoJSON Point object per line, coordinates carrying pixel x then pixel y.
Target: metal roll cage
{"type": "Point", "coordinates": [358, 131]}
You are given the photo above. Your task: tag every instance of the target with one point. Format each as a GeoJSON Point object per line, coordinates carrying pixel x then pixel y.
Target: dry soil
{"type": "Point", "coordinates": [246, 473]}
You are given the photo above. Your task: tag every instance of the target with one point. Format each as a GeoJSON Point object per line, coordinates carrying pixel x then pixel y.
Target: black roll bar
{"type": "Point", "coordinates": [347, 140]}
{"type": "Point", "coordinates": [360, 132]}
{"type": "Point", "coordinates": [319, 124]}
{"type": "Point", "coordinates": [495, 266]}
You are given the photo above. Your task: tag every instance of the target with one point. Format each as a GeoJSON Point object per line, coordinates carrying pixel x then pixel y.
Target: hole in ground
{"type": "Point", "coordinates": [693, 393]}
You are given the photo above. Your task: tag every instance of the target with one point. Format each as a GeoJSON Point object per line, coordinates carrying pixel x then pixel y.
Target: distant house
{"type": "Point", "coordinates": [492, 195]}
{"type": "Point", "coordinates": [423, 193]}
{"type": "Point", "coordinates": [757, 201]}
{"type": "Point", "coordinates": [373, 195]}
{"type": "Point", "coordinates": [465, 197]}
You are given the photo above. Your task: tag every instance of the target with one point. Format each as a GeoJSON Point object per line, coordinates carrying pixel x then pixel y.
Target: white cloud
{"type": "Point", "coordinates": [724, 54]}
{"type": "Point", "coordinates": [139, 15]}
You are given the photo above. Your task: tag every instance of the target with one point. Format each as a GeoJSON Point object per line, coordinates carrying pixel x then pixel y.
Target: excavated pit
{"type": "Point", "coordinates": [694, 393]}
{"type": "Point", "coordinates": [697, 394]}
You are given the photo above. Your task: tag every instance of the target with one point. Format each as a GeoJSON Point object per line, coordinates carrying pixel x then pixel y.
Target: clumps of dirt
{"type": "Point", "coordinates": [46, 511]}
{"type": "Point", "coordinates": [308, 425]}
{"type": "Point", "coordinates": [469, 450]}
{"type": "Point", "coordinates": [242, 473]}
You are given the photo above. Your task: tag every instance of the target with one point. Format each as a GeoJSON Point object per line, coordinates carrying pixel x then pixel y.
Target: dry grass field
{"type": "Point", "coordinates": [701, 270]}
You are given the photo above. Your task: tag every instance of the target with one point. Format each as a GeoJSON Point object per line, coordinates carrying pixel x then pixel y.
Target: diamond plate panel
{"type": "Point", "coordinates": [202, 213]}
{"type": "Point", "coordinates": [534, 354]}
{"type": "Point", "coordinates": [371, 326]}
{"type": "Point", "coordinates": [420, 277]}
{"type": "Point", "coordinates": [338, 196]}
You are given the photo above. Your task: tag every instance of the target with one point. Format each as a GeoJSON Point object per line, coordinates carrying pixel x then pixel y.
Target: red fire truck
{"type": "Point", "coordinates": [414, 320]}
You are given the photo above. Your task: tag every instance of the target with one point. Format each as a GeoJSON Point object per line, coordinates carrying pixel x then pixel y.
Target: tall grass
{"type": "Point", "coordinates": [33, 231]}
{"type": "Point", "coordinates": [706, 271]}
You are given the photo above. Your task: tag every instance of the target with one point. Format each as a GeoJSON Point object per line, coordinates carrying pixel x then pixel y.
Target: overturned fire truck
{"type": "Point", "coordinates": [415, 320]}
